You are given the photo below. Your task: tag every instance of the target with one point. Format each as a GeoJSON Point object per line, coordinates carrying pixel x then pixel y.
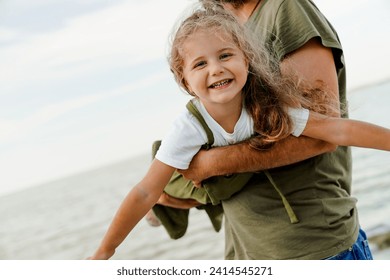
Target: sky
{"type": "Point", "coordinates": [85, 83]}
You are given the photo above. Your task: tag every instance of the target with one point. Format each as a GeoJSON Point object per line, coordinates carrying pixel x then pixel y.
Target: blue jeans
{"type": "Point", "coordinates": [358, 251]}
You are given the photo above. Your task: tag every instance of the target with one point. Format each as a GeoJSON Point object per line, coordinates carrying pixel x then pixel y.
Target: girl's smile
{"type": "Point", "coordinates": [221, 84]}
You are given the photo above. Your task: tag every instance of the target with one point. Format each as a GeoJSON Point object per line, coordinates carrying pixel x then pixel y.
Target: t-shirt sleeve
{"type": "Point", "coordinates": [299, 117]}
{"type": "Point", "coordinates": [182, 142]}
{"type": "Point", "coordinates": [299, 21]}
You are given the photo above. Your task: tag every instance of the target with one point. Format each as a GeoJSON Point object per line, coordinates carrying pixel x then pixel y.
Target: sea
{"type": "Point", "coordinates": [65, 219]}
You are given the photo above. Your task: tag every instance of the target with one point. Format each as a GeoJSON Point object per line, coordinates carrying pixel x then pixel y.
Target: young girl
{"type": "Point", "coordinates": [239, 95]}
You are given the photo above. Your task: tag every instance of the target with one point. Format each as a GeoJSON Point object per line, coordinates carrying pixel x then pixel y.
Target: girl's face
{"type": "Point", "coordinates": [214, 69]}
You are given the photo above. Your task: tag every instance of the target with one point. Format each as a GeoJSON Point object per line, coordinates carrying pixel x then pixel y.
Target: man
{"type": "Point", "coordinates": [314, 176]}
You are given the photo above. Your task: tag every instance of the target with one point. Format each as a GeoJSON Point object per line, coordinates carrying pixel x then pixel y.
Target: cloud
{"type": "Point", "coordinates": [7, 35]}
{"type": "Point", "coordinates": [344, 8]}
{"type": "Point", "coordinates": [11, 130]}
{"type": "Point", "coordinates": [125, 34]}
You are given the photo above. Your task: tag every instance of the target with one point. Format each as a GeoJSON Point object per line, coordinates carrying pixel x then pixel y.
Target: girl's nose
{"type": "Point", "coordinates": [216, 68]}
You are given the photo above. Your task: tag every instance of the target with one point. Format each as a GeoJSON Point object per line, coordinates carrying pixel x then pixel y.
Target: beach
{"type": "Point", "coordinates": [66, 218]}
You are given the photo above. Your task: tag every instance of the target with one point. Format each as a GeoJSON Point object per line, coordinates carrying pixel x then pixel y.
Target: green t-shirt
{"type": "Point", "coordinates": [318, 189]}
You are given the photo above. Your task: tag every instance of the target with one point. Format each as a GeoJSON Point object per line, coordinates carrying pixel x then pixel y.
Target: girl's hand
{"type": "Point", "coordinates": [101, 255]}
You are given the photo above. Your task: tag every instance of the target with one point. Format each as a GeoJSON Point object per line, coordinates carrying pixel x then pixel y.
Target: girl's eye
{"type": "Point", "coordinates": [199, 64]}
{"type": "Point", "coordinates": [225, 56]}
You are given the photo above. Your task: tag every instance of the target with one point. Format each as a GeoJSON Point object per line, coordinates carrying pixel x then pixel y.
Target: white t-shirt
{"type": "Point", "coordinates": [186, 135]}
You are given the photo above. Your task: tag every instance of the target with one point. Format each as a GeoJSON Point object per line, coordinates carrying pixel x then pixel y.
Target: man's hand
{"type": "Point", "coordinates": [170, 201]}
{"type": "Point", "coordinates": [198, 169]}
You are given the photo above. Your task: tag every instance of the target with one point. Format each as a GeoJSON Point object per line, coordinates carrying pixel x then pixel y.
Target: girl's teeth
{"type": "Point", "coordinates": [219, 84]}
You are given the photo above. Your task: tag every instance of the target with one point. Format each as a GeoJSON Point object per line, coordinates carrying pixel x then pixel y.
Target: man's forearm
{"type": "Point", "coordinates": [288, 151]}
{"type": "Point", "coordinates": [241, 158]}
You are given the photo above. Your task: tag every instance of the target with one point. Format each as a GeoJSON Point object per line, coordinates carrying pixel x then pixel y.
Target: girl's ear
{"type": "Point", "coordinates": [247, 64]}
{"type": "Point", "coordinates": [188, 88]}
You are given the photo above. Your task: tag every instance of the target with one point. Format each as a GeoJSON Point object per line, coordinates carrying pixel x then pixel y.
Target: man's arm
{"type": "Point", "coordinates": [313, 63]}
{"type": "Point", "coordinates": [241, 158]}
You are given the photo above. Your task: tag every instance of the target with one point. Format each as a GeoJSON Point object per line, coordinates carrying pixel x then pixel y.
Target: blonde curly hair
{"type": "Point", "coordinates": [267, 94]}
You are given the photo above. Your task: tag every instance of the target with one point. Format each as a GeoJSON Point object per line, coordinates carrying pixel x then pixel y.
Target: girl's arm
{"type": "Point", "coordinates": [134, 207]}
{"type": "Point", "coordinates": [347, 132]}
